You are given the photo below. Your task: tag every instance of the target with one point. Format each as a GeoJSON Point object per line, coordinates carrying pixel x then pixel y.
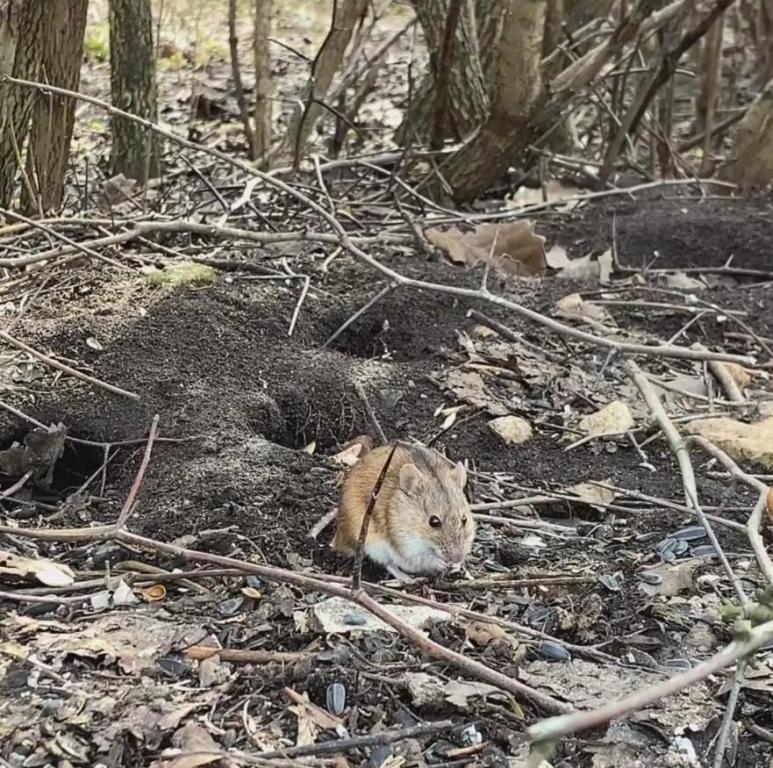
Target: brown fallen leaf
{"type": "Point", "coordinates": [770, 504]}
{"type": "Point", "coordinates": [311, 718]}
{"type": "Point", "coordinates": [45, 571]}
{"type": "Point", "coordinates": [197, 747]}
{"type": "Point", "coordinates": [352, 451]}
{"type": "Point", "coordinates": [742, 442]}
{"type": "Point", "coordinates": [613, 419]}
{"type": "Point", "coordinates": [512, 248]}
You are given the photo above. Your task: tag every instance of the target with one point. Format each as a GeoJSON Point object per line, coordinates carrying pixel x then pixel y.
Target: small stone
{"type": "Point", "coordinates": [513, 430]}
{"type": "Point", "coordinates": [425, 690]}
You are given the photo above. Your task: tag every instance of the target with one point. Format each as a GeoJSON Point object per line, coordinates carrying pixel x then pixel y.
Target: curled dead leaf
{"type": "Point", "coordinates": [512, 248]}
{"type": "Point", "coordinates": [154, 593]}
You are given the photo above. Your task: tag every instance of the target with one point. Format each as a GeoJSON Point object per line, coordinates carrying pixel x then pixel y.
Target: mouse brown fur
{"type": "Point", "coordinates": [421, 522]}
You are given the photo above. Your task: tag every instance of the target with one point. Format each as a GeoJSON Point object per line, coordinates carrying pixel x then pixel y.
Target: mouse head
{"type": "Point", "coordinates": [431, 523]}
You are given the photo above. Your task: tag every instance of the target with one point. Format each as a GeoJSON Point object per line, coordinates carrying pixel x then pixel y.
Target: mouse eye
{"type": "Point", "coordinates": [464, 520]}
{"type": "Point", "coordinates": [435, 522]}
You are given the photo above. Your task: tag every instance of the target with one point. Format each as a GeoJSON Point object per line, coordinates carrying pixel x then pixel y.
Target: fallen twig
{"type": "Point", "coordinates": [357, 570]}
{"type": "Point", "coordinates": [245, 656]}
{"type": "Point", "coordinates": [556, 727]}
{"type": "Point", "coordinates": [346, 242]}
{"type": "Point", "coordinates": [755, 518]}
{"type": "Point", "coordinates": [50, 361]}
{"type": "Point", "coordinates": [679, 448]}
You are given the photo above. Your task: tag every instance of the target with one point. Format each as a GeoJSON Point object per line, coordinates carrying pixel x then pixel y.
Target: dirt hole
{"type": "Point", "coordinates": [77, 463]}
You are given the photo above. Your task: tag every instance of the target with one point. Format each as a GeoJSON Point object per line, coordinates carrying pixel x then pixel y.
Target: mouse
{"type": "Point", "coordinates": [421, 523]}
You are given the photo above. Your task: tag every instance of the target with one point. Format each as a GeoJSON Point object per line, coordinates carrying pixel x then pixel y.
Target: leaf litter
{"type": "Point", "coordinates": [129, 686]}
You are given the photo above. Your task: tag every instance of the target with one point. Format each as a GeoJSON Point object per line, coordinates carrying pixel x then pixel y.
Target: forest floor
{"type": "Point", "coordinates": [583, 593]}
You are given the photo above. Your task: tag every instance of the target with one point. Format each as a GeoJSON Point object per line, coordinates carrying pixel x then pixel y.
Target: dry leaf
{"type": "Point", "coordinates": [483, 633]}
{"type": "Point", "coordinates": [349, 456]}
{"type": "Point", "coordinates": [512, 248]}
{"type": "Point", "coordinates": [458, 692]}
{"type": "Point", "coordinates": [311, 718]}
{"type": "Point", "coordinates": [45, 571]}
{"type": "Point", "coordinates": [134, 640]}
{"type": "Point", "coordinates": [339, 616]}
{"type": "Point", "coordinates": [595, 494]}
{"type": "Point", "coordinates": [586, 268]}
{"type": "Point", "coordinates": [675, 578]}
{"type": "Point", "coordinates": [682, 282]}
{"type": "Point", "coordinates": [154, 593]}
{"type": "Point", "coordinates": [743, 442]}
{"type": "Point", "coordinates": [551, 191]}
{"type": "Point", "coordinates": [573, 307]}
{"type": "Point", "coordinates": [613, 419]}
{"type": "Point", "coordinates": [557, 257]}
{"type": "Point", "coordinates": [512, 429]}
{"type": "Point", "coordinates": [197, 746]}
{"type": "Point", "coordinates": [770, 504]}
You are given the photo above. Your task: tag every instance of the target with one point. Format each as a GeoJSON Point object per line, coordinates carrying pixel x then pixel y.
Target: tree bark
{"type": "Point", "coordinates": [22, 55]}
{"type": "Point", "coordinates": [135, 152]}
{"type": "Point", "coordinates": [518, 87]}
{"type": "Point", "coordinates": [329, 59]}
{"type": "Point", "coordinates": [751, 164]}
{"type": "Point", "coordinates": [469, 77]}
{"type": "Point", "coordinates": [263, 110]}
{"type": "Point", "coordinates": [54, 116]}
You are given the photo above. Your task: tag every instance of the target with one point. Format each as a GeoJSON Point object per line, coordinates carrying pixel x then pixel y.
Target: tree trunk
{"type": "Point", "coordinates": [54, 116]}
{"type": "Point", "coordinates": [262, 142]}
{"type": "Point", "coordinates": [518, 87]}
{"type": "Point", "coordinates": [136, 151]}
{"type": "Point", "coordinates": [751, 164]}
{"type": "Point", "coordinates": [467, 81]}
{"type": "Point", "coordinates": [22, 53]}
{"type": "Point", "coordinates": [329, 58]}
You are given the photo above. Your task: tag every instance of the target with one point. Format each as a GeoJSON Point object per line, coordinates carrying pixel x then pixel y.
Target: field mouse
{"type": "Point", "coordinates": [421, 523]}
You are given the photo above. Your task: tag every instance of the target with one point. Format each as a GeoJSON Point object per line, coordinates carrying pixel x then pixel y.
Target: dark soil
{"type": "Point", "coordinates": [258, 416]}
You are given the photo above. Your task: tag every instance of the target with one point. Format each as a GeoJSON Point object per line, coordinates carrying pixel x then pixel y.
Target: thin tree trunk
{"type": "Point", "coordinates": [135, 152]}
{"type": "Point", "coordinates": [236, 73]}
{"type": "Point", "coordinates": [329, 59]}
{"type": "Point", "coordinates": [263, 110]}
{"type": "Point", "coordinates": [467, 87]}
{"type": "Point", "coordinates": [54, 116]}
{"type": "Point", "coordinates": [22, 32]}
{"type": "Point", "coordinates": [751, 164]}
{"type": "Point", "coordinates": [711, 82]}
{"type": "Point", "coordinates": [518, 87]}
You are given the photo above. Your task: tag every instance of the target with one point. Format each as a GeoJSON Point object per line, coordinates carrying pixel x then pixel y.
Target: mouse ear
{"type": "Point", "coordinates": [460, 473]}
{"type": "Point", "coordinates": [411, 480]}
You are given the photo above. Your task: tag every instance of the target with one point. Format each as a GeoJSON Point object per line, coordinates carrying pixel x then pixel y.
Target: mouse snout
{"type": "Point", "coordinates": [455, 557]}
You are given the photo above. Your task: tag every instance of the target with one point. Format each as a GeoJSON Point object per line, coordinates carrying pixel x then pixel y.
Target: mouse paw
{"type": "Point", "coordinates": [401, 575]}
